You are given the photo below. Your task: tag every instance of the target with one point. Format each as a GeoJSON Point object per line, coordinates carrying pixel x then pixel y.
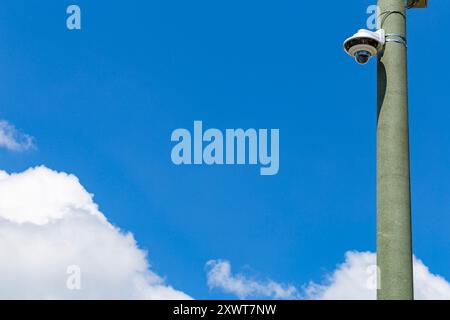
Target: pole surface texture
{"type": "Point", "coordinates": [394, 244]}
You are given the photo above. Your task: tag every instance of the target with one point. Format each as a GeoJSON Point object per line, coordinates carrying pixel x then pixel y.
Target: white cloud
{"type": "Point", "coordinates": [220, 276]}
{"type": "Point", "coordinates": [14, 140]}
{"type": "Point", "coordinates": [429, 286]}
{"type": "Point", "coordinates": [49, 222]}
{"type": "Point", "coordinates": [355, 279]}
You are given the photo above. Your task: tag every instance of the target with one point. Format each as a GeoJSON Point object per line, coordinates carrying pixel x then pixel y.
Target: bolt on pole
{"type": "Point", "coordinates": [394, 240]}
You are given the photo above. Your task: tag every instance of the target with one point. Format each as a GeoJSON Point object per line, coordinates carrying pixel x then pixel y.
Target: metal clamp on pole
{"type": "Point", "coordinates": [398, 38]}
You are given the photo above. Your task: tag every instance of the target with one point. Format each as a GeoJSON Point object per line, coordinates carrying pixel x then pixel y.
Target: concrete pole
{"type": "Point", "coordinates": [394, 245]}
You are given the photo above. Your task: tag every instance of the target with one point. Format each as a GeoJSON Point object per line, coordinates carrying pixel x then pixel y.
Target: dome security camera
{"type": "Point", "coordinates": [364, 44]}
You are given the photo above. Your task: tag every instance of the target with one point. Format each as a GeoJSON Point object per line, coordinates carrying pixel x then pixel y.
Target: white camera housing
{"type": "Point", "coordinates": [365, 44]}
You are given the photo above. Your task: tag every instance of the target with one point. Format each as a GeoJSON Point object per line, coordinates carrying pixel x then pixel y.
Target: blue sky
{"type": "Point", "coordinates": [102, 103]}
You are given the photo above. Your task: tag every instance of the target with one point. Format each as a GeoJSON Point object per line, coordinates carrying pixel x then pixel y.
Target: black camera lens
{"type": "Point", "coordinates": [362, 57]}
